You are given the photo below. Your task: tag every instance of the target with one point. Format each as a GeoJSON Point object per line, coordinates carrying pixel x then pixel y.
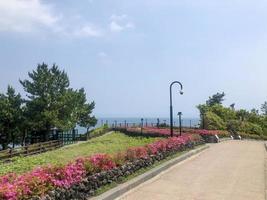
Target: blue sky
{"type": "Point", "coordinates": [126, 53]}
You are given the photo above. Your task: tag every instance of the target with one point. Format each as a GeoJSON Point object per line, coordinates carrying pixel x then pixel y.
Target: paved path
{"type": "Point", "coordinates": [231, 170]}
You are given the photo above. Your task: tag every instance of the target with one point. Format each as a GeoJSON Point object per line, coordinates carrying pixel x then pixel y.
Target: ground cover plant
{"type": "Point", "coordinates": [109, 143]}
{"type": "Point", "coordinates": [81, 177]}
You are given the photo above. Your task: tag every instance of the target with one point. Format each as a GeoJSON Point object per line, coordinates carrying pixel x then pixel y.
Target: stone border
{"type": "Point", "coordinates": [224, 139]}
{"type": "Point", "coordinates": [125, 187]}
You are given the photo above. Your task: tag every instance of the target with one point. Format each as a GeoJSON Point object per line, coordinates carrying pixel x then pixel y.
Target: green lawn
{"type": "Point", "coordinates": [109, 143]}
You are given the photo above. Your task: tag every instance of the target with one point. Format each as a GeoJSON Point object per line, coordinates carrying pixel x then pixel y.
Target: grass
{"type": "Point", "coordinates": [110, 143]}
{"type": "Point", "coordinates": [139, 172]}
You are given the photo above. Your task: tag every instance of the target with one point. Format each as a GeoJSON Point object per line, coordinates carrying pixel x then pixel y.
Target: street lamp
{"type": "Point", "coordinates": [142, 123]}
{"type": "Point", "coordinates": [180, 122]}
{"type": "Point", "coordinates": [171, 110]}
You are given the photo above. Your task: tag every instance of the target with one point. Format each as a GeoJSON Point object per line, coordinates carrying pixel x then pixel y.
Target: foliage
{"type": "Point", "coordinates": [223, 112]}
{"type": "Point", "coordinates": [213, 121]}
{"type": "Point", "coordinates": [250, 128]}
{"type": "Point", "coordinates": [217, 116]}
{"type": "Point", "coordinates": [264, 108]}
{"type": "Point", "coordinates": [243, 126]}
{"type": "Point", "coordinates": [10, 117]}
{"type": "Point", "coordinates": [233, 126]}
{"type": "Point", "coordinates": [52, 103]}
{"type": "Point", "coordinates": [217, 98]}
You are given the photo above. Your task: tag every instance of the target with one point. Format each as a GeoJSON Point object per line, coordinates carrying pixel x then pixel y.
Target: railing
{"type": "Point", "coordinates": [186, 123]}
{"type": "Point", "coordinates": [7, 155]}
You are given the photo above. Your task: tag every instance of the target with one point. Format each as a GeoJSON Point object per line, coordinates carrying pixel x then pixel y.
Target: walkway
{"type": "Point", "coordinates": [231, 170]}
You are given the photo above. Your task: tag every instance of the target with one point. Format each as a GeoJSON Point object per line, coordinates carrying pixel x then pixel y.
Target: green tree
{"type": "Point", "coordinates": [214, 122]}
{"type": "Point", "coordinates": [10, 117]}
{"type": "Point", "coordinates": [224, 113]}
{"type": "Point", "coordinates": [264, 108]}
{"type": "Point", "coordinates": [217, 98]}
{"type": "Point", "coordinates": [52, 103]}
{"type": "Point", "coordinates": [242, 114]}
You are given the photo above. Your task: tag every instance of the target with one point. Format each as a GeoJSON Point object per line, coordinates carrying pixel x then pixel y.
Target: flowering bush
{"type": "Point", "coordinates": [136, 152]}
{"type": "Point", "coordinates": [43, 179]}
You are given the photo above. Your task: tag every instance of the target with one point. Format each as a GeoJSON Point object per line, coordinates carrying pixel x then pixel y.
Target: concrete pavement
{"type": "Point", "coordinates": [228, 170]}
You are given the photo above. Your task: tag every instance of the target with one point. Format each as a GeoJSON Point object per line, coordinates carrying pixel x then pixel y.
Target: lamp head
{"type": "Point", "coordinates": [181, 92]}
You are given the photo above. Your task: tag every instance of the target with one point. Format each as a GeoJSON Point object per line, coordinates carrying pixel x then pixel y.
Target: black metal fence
{"type": "Point", "coordinates": [163, 123]}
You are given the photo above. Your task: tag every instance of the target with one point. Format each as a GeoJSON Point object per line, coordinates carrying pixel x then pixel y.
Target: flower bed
{"type": "Point", "coordinates": [211, 136]}
{"type": "Point", "coordinates": [147, 131]}
{"type": "Point", "coordinates": [81, 178]}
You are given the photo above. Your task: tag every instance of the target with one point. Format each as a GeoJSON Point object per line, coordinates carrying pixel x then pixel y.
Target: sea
{"type": "Point", "coordinates": [120, 121]}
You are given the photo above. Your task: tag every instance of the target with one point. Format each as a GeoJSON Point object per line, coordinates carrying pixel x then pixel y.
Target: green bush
{"type": "Point", "coordinates": [255, 137]}
{"type": "Point", "coordinates": [214, 122]}
{"type": "Point", "coordinates": [250, 128]}
{"type": "Point", "coordinates": [224, 113]}
{"type": "Point", "coordinates": [244, 127]}
{"type": "Point", "coordinates": [233, 125]}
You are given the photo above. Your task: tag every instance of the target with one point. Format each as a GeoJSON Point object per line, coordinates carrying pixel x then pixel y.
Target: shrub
{"type": "Point", "coordinates": [214, 122]}
{"type": "Point", "coordinates": [101, 162]}
{"type": "Point", "coordinates": [136, 152]}
{"type": "Point", "coordinates": [233, 125]}
{"type": "Point", "coordinates": [119, 158]}
{"type": "Point", "coordinates": [250, 128]}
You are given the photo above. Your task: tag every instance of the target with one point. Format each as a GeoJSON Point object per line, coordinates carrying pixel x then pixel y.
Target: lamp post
{"type": "Point", "coordinates": [180, 122]}
{"type": "Point", "coordinates": [142, 124]}
{"type": "Point", "coordinates": [171, 110]}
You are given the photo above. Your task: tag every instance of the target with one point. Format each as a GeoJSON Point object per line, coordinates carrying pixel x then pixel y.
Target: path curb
{"type": "Point", "coordinates": [125, 187]}
{"type": "Point", "coordinates": [265, 170]}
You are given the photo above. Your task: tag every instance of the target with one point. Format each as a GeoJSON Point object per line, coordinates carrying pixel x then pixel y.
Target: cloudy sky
{"type": "Point", "coordinates": [126, 53]}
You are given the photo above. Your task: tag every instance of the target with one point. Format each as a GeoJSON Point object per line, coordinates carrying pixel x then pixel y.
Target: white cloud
{"type": "Point", "coordinates": [115, 27]}
{"type": "Point", "coordinates": [102, 54]}
{"type": "Point", "coordinates": [118, 17]}
{"type": "Point", "coordinates": [26, 15]}
{"type": "Point", "coordinates": [88, 31]}
{"type": "Point", "coordinates": [120, 23]}
{"type": "Point", "coordinates": [30, 16]}
{"type": "Point", "coordinates": [130, 25]}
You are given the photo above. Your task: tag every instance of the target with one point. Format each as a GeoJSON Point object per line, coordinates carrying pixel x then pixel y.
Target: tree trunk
{"type": "Point", "coordinates": [13, 140]}
{"type": "Point", "coordinates": [23, 138]}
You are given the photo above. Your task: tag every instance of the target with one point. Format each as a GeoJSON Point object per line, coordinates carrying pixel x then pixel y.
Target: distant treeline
{"type": "Point", "coordinates": [50, 103]}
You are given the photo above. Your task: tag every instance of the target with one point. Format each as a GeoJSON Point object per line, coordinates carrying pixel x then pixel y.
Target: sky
{"type": "Point", "coordinates": [126, 53]}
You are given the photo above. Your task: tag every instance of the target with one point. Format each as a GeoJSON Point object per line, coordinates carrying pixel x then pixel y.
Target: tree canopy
{"type": "Point", "coordinates": [264, 108]}
{"type": "Point", "coordinates": [50, 103]}
{"type": "Point", "coordinates": [217, 98]}
{"type": "Point", "coordinates": [10, 116]}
